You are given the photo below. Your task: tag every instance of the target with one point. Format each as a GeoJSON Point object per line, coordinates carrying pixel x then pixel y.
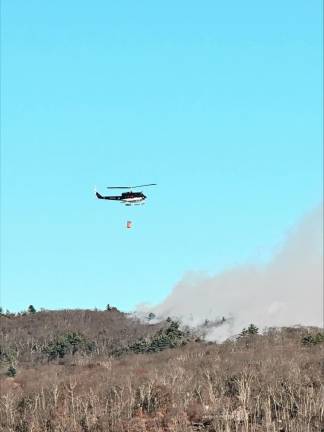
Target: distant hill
{"type": "Point", "coordinates": [27, 337]}
{"type": "Point", "coordinates": [99, 371]}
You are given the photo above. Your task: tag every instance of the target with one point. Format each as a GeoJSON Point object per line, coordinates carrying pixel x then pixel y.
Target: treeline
{"type": "Point", "coordinates": [46, 336]}
{"type": "Point", "coordinates": [35, 338]}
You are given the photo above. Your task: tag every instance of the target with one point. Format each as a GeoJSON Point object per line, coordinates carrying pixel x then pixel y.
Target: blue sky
{"type": "Point", "coordinates": [220, 103]}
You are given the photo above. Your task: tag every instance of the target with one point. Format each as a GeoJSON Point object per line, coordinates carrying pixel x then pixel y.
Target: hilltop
{"type": "Point", "coordinates": [100, 371]}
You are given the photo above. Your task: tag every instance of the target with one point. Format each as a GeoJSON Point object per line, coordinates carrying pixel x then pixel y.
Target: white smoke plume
{"type": "Point", "coordinates": [285, 292]}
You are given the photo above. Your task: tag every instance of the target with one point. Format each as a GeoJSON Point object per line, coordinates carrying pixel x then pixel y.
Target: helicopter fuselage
{"type": "Point", "coordinates": [127, 198]}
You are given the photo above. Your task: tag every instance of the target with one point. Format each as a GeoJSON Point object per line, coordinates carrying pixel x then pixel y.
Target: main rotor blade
{"type": "Point", "coordinates": [130, 187]}
{"type": "Point", "coordinates": [151, 184]}
{"type": "Point", "coordinates": [119, 187]}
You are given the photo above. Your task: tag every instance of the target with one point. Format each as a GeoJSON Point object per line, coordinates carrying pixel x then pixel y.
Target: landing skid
{"type": "Point", "coordinates": [134, 204]}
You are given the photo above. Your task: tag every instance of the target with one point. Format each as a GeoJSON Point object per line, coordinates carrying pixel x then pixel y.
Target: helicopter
{"type": "Point", "coordinates": [127, 198]}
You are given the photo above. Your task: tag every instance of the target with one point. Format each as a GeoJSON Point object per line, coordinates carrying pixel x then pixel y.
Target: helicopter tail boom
{"type": "Point", "coordinates": [115, 198]}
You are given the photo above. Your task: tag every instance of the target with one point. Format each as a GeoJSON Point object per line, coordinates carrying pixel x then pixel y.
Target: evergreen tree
{"type": "Point", "coordinates": [251, 330]}
{"type": "Point", "coordinates": [31, 309]}
{"type": "Point", "coordinates": [11, 372]}
{"type": "Point", "coordinates": [68, 343]}
{"type": "Point", "coordinates": [313, 339]}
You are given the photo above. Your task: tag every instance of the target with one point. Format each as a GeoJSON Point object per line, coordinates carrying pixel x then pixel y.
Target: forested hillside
{"type": "Point", "coordinates": [101, 371]}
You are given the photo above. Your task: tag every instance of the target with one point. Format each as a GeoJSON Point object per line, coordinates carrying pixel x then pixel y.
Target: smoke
{"type": "Point", "coordinates": [286, 291]}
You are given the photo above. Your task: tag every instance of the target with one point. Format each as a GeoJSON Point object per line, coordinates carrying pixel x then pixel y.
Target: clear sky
{"type": "Point", "coordinates": [218, 102]}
